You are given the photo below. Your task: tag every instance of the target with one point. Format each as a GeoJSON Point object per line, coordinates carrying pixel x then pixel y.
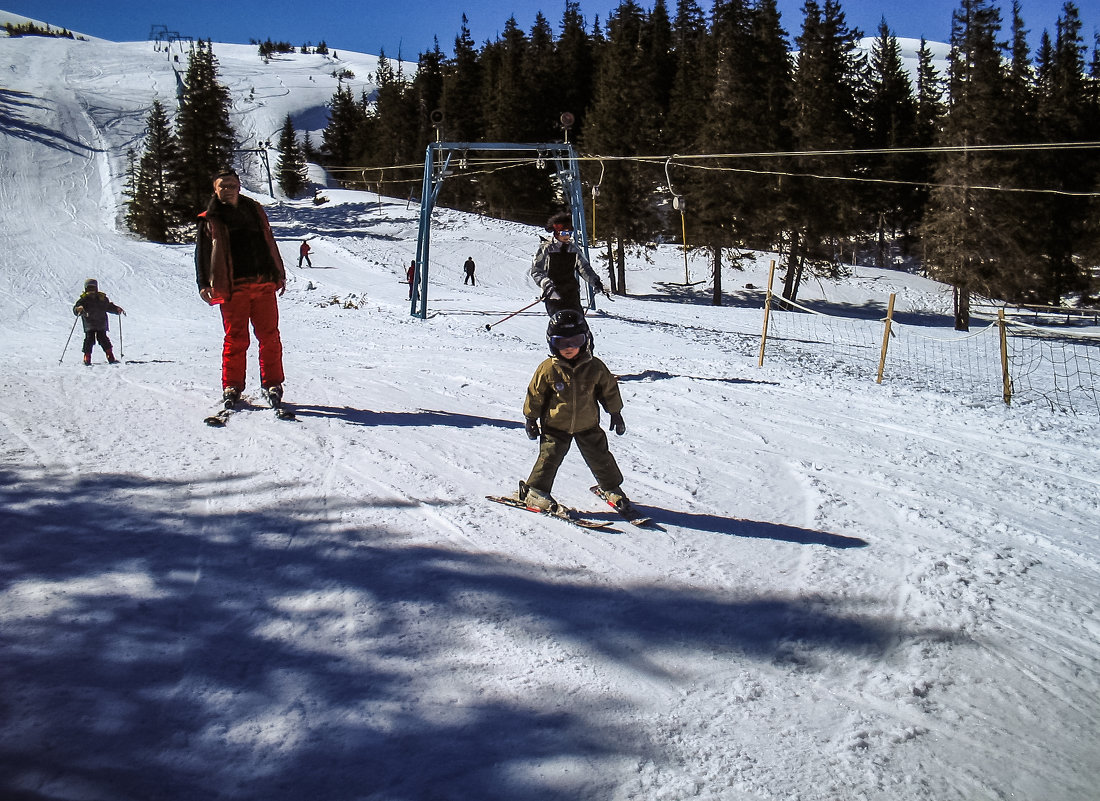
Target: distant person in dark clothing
{"type": "Point", "coordinates": [468, 268]}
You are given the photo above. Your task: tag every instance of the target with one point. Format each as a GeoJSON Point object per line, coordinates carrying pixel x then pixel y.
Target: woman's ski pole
{"type": "Point", "coordinates": [489, 326]}
{"type": "Point", "coordinates": [121, 350]}
{"type": "Point", "coordinates": [67, 341]}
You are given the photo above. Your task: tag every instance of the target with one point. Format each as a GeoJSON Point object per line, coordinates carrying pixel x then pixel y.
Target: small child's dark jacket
{"type": "Point", "coordinates": [96, 305]}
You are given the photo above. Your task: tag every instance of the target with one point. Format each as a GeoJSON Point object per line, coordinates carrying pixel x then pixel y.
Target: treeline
{"type": "Point", "coordinates": [268, 48]}
{"type": "Point", "coordinates": [812, 146]}
{"type": "Point", "coordinates": [30, 29]}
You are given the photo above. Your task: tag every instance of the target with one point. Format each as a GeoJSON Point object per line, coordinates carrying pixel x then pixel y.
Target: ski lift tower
{"type": "Point", "coordinates": [437, 166]}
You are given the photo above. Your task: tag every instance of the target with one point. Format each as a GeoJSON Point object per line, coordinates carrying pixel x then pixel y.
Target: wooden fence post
{"type": "Point", "coordinates": [1006, 379]}
{"type": "Point", "coordinates": [767, 313]}
{"type": "Point", "coordinates": [886, 337]}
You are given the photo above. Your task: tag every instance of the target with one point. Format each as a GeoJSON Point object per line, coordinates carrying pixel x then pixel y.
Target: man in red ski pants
{"type": "Point", "coordinates": [238, 267]}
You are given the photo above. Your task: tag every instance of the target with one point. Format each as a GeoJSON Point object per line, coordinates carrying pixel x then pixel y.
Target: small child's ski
{"type": "Point", "coordinates": [627, 510]}
{"type": "Point", "coordinates": [561, 513]}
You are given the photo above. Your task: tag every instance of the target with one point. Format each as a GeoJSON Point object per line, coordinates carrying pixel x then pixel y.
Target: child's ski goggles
{"type": "Point", "coordinates": [563, 343]}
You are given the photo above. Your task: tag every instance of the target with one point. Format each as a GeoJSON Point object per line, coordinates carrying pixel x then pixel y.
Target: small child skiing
{"type": "Point", "coordinates": [562, 405]}
{"type": "Point", "coordinates": [93, 306]}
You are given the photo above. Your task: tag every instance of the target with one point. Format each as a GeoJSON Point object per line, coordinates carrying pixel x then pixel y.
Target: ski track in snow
{"type": "Point", "coordinates": [852, 591]}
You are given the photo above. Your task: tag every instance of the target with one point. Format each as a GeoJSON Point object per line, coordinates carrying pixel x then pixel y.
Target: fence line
{"type": "Point", "coordinates": [1056, 367]}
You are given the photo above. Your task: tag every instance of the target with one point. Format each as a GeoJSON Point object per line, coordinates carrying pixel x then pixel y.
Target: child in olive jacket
{"type": "Point", "coordinates": [562, 405]}
{"type": "Point", "coordinates": [93, 306]}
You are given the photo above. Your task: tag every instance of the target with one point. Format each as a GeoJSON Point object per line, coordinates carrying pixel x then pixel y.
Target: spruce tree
{"type": "Point", "coordinates": [690, 79]}
{"type": "Point", "coordinates": [345, 118]}
{"type": "Point", "coordinates": [966, 237]}
{"type": "Point", "coordinates": [574, 69]}
{"type": "Point", "coordinates": [427, 91]}
{"type": "Point", "coordinates": [204, 135]}
{"type": "Point", "coordinates": [826, 116]}
{"type": "Point", "coordinates": [891, 120]}
{"type": "Point", "coordinates": [1067, 112]}
{"type": "Point", "coordinates": [154, 211]}
{"type": "Point", "coordinates": [463, 110]}
{"type": "Point", "coordinates": [292, 161]}
{"type": "Point", "coordinates": [464, 116]}
{"type": "Point", "coordinates": [624, 120]}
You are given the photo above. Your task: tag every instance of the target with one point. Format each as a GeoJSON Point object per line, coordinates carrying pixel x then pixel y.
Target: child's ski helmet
{"type": "Point", "coordinates": [568, 328]}
{"type": "Point", "coordinates": [91, 285]}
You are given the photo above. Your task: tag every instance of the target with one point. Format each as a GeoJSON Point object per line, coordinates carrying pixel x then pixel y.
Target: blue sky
{"type": "Point", "coordinates": [410, 26]}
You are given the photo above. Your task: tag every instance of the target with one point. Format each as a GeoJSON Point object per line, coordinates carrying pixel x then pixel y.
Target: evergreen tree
{"type": "Point", "coordinates": [966, 238]}
{"type": "Point", "coordinates": [464, 115]}
{"type": "Point", "coordinates": [345, 118]}
{"type": "Point", "coordinates": [394, 119]}
{"type": "Point", "coordinates": [427, 90]}
{"type": "Point", "coordinates": [1063, 226]}
{"type": "Point", "coordinates": [292, 161]}
{"type": "Point", "coordinates": [658, 44]}
{"type": "Point", "coordinates": [930, 111]}
{"type": "Point", "coordinates": [204, 135]}
{"type": "Point", "coordinates": [691, 77]}
{"type": "Point", "coordinates": [154, 209]}
{"type": "Point", "coordinates": [463, 110]}
{"type": "Point", "coordinates": [625, 120]}
{"type": "Point", "coordinates": [541, 80]}
{"type": "Point", "coordinates": [574, 68]}
{"type": "Point", "coordinates": [891, 120]}
{"type": "Point", "coordinates": [826, 116]}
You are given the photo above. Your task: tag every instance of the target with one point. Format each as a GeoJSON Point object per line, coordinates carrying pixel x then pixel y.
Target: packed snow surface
{"type": "Point", "coordinates": [853, 590]}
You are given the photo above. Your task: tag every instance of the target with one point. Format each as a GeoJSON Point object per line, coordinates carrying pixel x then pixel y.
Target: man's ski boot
{"type": "Point", "coordinates": [87, 360]}
{"type": "Point", "coordinates": [111, 357]}
{"type": "Point", "coordinates": [274, 397]}
{"type": "Point", "coordinates": [230, 397]}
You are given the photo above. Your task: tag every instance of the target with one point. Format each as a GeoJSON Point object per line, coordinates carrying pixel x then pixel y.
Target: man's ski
{"type": "Point", "coordinates": [274, 398]}
{"type": "Point", "coordinates": [627, 510]}
{"type": "Point", "coordinates": [217, 420]}
{"type": "Point", "coordinates": [562, 512]}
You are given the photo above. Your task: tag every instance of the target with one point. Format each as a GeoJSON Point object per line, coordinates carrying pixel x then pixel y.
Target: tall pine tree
{"type": "Point", "coordinates": [204, 135]}
{"type": "Point", "coordinates": [292, 161]}
{"type": "Point", "coordinates": [154, 211]}
{"type": "Point", "coordinates": [968, 239]}
{"type": "Point", "coordinates": [826, 116]}
{"type": "Point", "coordinates": [624, 120]}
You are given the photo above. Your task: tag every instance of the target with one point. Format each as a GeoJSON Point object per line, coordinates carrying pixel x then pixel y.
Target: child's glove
{"type": "Point", "coordinates": [79, 310]}
{"type": "Point", "coordinates": [549, 292]}
{"type": "Point", "coordinates": [532, 428]}
{"type": "Point", "coordinates": [617, 424]}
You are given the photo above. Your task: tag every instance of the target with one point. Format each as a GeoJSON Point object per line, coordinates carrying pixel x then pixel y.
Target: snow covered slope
{"type": "Point", "coordinates": [854, 590]}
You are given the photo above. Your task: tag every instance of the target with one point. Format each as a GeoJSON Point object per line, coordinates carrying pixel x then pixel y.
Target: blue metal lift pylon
{"type": "Point", "coordinates": [437, 163]}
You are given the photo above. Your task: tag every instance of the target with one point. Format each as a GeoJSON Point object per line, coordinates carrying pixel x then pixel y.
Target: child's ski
{"type": "Point", "coordinates": [562, 512]}
{"type": "Point", "coordinates": [629, 512]}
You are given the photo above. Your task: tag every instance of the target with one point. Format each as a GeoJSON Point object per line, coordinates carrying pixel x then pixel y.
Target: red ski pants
{"type": "Point", "coordinates": [255, 303]}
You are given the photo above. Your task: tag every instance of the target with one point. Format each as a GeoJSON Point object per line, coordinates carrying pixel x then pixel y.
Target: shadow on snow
{"type": "Point", "coordinates": [159, 643]}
